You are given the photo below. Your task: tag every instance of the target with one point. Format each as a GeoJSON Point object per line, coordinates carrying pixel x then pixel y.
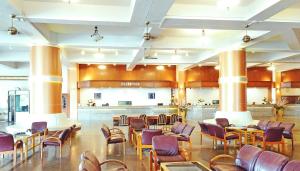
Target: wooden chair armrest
{"type": "Point", "coordinates": [116, 130]}
{"type": "Point", "coordinates": [232, 133]}
{"type": "Point", "coordinates": [214, 159]}
{"type": "Point", "coordinates": [114, 161]}
{"type": "Point", "coordinates": [184, 154]}
{"type": "Point", "coordinates": [139, 139]}
{"type": "Point", "coordinates": [52, 139]}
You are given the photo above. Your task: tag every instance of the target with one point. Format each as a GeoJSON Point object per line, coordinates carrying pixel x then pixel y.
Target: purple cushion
{"type": "Point", "coordinates": [180, 128]}
{"type": "Point", "coordinates": [165, 145]}
{"type": "Point", "coordinates": [187, 131]}
{"type": "Point", "coordinates": [223, 122]}
{"type": "Point", "coordinates": [247, 157]}
{"type": "Point", "coordinates": [148, 134]}
{"type": "Point", "coordinates": [176, 158]}
{"type": "Point", "coordinates": [274, 134]}
{"type": "Point", "coordinates": [38, 127]}
{"type": "Point", "coordinates": [137, 124]}
{"type": "Point", "coordinates": [293, 165]}
{"type": "Point", "coordinates": [268, 160]}
{"type": "Point", "coordinates": [175, 126]}
{"type": "Point", "coordinates": [106, 132]}
{"type": "Point", "coordinates": [6, 142]}
{"type": "Point", "coordinates": [232, 137]}
{"type": "Point", "coordinates": [262, 125]}
{"type": "Point", "coordinates": [203, 127]}
{"type": "Point", "coordinates": [64, 135]}
{"type": "Point", "coordinates": [183, 138]}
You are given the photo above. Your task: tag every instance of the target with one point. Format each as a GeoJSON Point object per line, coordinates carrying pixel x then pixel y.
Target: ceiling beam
{"type": "Point", "coordinates": [272, 10]}
{"type": "Point", "coordinates": [292, 38]}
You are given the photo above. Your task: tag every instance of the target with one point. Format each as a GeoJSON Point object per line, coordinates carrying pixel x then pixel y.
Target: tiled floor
{"type": "Point", "coordinates": [90, 138]}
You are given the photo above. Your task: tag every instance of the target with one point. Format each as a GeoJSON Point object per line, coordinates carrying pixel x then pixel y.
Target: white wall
{"type": "Point", "coordinates": [138, 96]}
{"type": "Point", "coordinates": [256, 95]}
{"type": "Point", "coordinates": [208, 94]}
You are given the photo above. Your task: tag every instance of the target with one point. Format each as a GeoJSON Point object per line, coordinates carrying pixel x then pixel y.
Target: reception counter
{"type": "Point", "coordinates": [203, 112]}
{"type": "Point", "coordinates": [98, 112]}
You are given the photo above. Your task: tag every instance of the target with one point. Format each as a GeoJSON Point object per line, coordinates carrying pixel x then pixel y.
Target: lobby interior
{"type": "Point", "coordinates": [129, 81]}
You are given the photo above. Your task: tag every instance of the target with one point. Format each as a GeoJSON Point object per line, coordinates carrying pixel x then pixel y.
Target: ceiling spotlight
{"type": "Point", "coordinates": [169, 65]}
{"type": "Point", "coordinates": [204, 39]}
{"type": "Point", "coordinates": [217, 67]}
{"type": "Point", "coordinates": [155, 54]}
{"type": "Point", "coordinates": [82, 52]}
{"type": "Point", "coordinates": [145, 65]}
{"type": "Point", "coordinates": [117, 53]}
{"type": "Point", "coordinates": [102, 67]}
{"type": "Point", "coordinates": [271, 68]}
{"type": "Point", "coordinates": [199, 65]}
{"type": "Point", "coordinates": [160, 67]}
{"type": "Point", "coordinates": [175, 55]}
{"type": "Point", "coordinates": [88, 64]}
{"type": "Point", "coordinates": [114, 64]}
{"type": "Point", "coordinates": [96, 35]}
{"type": "Point", "coordinates": [227, 4]}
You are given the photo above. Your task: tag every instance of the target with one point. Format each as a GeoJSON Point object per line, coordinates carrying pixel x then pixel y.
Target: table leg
{"type": "Point", "coordinates": [246, 137]}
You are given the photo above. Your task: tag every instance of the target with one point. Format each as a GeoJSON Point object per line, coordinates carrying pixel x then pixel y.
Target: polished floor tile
{"type": "Point", "coordinates": [90, 138]}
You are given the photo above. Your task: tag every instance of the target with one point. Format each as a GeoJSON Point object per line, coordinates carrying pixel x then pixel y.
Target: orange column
{"type": "Point", "coordinates": [277, 86]}
{"type": "Point", "coordinates": [181, 87]}
{"type": "Point", "coordinates": [45, 80]}
{"type": "Point", "coordinates": [233, 81]}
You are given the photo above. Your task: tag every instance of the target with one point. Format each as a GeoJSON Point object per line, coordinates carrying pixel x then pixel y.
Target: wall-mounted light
{"type": "Point", "coordinates": [160, 67]}
{"type": "Point", "coordinates": [102, 67]}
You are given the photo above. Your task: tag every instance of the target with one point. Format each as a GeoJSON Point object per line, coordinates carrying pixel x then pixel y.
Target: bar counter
{"type": "Point", "coordinates": [96, 112]}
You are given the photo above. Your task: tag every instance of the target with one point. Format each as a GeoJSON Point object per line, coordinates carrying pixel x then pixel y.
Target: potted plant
{"type": "Point", "coordinates": [279, 107]}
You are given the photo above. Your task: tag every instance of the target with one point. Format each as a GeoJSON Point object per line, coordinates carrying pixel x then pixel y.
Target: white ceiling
{"type": "Point", "coordinates": [175, 24]}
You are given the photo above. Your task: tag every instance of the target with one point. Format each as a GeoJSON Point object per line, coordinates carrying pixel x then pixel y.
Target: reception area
{"type": "Point", "coordinates": [132, 85]}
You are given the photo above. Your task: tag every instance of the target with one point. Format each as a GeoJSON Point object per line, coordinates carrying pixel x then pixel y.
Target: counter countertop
{"type": "Point", "coordinates": [114, 107]}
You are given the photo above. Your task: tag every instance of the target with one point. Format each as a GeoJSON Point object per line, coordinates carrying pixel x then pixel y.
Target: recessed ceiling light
{"type": "Point", "coordinates": [117, 53]}
{"type": "Point", "coordinates": [145, 65]}
{"type": "Point", "coordinates": [160, 67]}
{"type": "Point", "coordinates": [99, 54]}
{"type": "Point", "coordinates": [271, 68]}
{"type": "Point", "coordinates": [82, 52]}
{"type": "Point", "coordinates": [186, 53]}
{"type": "Point", "coordinates": [227, 4]}
{"type": "Point", "coordinates": [89, 64]}
{"type": "Point", "coordinates": [199, 65]}
{"type": "Point", "coordinates": [155, 54]}
{"type": "Point", "coordinates": [102, 67]}
{"type": "Point", "coordinates": [169, 65]}
{"type": "Point", "coordinates": [114, 64]}
{"type": "Point", "coordinates": [70, 1]}
{"type": "Point", "coordinates": [217, 67]}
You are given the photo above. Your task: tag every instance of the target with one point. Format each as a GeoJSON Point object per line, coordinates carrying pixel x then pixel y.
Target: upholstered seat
{"type": "Point", "coordinates": [165, 149]}
{"type": "Point", "coordinates": [8, 146]}
{"type": "Point", "coordinates": [288, 131]}
{"type": "Point", "coordinates": [135, 125]}
{"type": "Point", "coordinates": [293, 165]}
{"type": "Point", "coordinates": [113, 138]}
{"type": "Point", "coordinates": [245, 160]}
{"type": "Point", "coordinates": [270, 161]}
{"type": "Point", "coordinates": [175, 158]}
{"type": "Point", "coordinates": [272, 135]}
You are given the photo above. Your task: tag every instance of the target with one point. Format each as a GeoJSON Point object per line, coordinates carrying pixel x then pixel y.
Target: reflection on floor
{"type": "Point", "coordinates": [90, 138]}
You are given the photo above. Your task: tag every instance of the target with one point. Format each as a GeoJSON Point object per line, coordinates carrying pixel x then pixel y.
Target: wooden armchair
{"type": "Point", "coordinates": [8, 146]}
{"type": "Point", "coordinates": [57, 140]}
{"type": "Point", "coordinates": [273, 135]}
{"type": "Point", "coordinates": [144, 140]}
{"type": "Point", "coordinates": [165, 149]}
{"type": "Point", "coordinates": [113, 138]}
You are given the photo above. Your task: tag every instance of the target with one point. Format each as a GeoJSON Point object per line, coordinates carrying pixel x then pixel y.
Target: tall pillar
{"type": "Point", "coordinates": [73, 91]}
{"type": "Point", "coordinates": [181, 87]}
{"type": "Point", "coordinates": [45, 81]}
{"type": "Point", "coordinates": [233, 85]}
{"type": "Point", "coordinates": [277, 87]}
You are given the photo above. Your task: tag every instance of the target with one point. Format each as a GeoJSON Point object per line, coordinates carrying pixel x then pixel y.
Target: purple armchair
{"type": "Point", "coordinates": [113, 138]}
{"type": "Point", "coordinates": [89, 162]}
{"type": "Point", "coordinates": [245, 160]}
{"type": "Point", "coordinates": [57, 141]}
{"type": "Point", "coordinates": [8, 146]}
{"type": "Point", "coordinates": [268, 160]}
{"type": "Point", "coordinates": [271, 136]}
{"type": "Point", "coordinates": [144, 140]}
{"type": "Point", "coordinates": [293, 165]}
{"type": "Point", "coordinates": [38, 127]}
{"type": "Point", "coordinates": [204, 131]}
{"type": "Point", "coordinates": [223, 136]}
{"type": "Point", "coordinates": [185, 135]}
{"type": "Point", "coordinates": [261, 125]}
{"type": "Point", "coordinates": [288, 131]}
{"type": "Point", "coordinates": [165, 149]}
{"type": "Point", "coordinates": [135, 125]}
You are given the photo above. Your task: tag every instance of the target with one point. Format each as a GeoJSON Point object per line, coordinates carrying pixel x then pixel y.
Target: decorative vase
{"type": "Point", "coordinates": [280, 113]}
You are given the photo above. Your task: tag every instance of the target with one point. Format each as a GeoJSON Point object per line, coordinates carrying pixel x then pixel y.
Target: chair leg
{"type": "Point", "coordinates": [151, 161]}
{"type": "Point", "coordinates": [60, 148]}
{"type": "Point", "coordinates": [21, 153]}
{"type": "Point", "coordinates": [42, 151]}
{"type": "Point", "coordinates": [107, 149]}
{"type": "Point", "coordinates": [141, 153]}
{"type": "Point", "coordinates": [190, 144]}
{"type": "Point", "coordinates": [15, 157]}
{"type": "Point", "coordinates": [225, 146]}
{"type": "Point", "coordinates": [200, 139]}
{"type": "Point", "coordinates": [124, 148]}
{"type": "Point", "coordinates": [292, 143]}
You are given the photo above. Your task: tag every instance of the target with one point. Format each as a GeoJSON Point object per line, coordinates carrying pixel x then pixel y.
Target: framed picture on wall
{"type": "Point", "coordinates": [151, 95]}
{"type": "Point", "coordinates": [97, 95]}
